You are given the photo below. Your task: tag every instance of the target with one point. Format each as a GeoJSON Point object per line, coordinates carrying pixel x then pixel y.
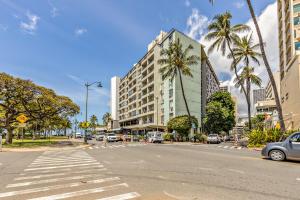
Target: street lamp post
{"type": "Point", "coordinates": [156, 113]}
{"type": "Point", "coordinates": [87, 85]}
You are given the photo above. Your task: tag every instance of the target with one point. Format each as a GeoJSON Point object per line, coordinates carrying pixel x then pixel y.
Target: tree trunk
{"type": "Point", "coordinates": [235, 70]}
{"type": "Point", "coordinates": [183, 94]}
{"type": "Point", "coordinates": [9, 135]}
{"type": "Point", "coordinates": [262, 48]}
{"type": "Point", "coordinates": [249, 103]}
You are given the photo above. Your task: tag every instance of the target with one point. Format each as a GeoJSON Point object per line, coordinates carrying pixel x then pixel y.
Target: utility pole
{"type": "Point", "coordinates": [87, 85]}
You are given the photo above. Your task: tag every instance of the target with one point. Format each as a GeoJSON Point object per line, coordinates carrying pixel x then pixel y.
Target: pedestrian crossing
{"type": "Point", "coordinates": [67, 174]}
{"type": "Point", "coordinates": [230, 147]}
{"type": "Point", "coordinates": [114, 146]}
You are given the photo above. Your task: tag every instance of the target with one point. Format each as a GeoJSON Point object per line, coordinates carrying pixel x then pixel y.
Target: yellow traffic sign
{"type": "Point", "coordinates": [277, 125]}
{"type": "Point", "coordinates": [22, 118]}
{"type": "Point", "coordinates": [85, 124]}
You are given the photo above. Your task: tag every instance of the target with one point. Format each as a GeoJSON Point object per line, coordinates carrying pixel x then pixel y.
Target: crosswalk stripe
{"type": "Point", "coordinates": [225, 147]}
{"type": "Point", "coordinates": [90, 147]}
{"type": "Point", "coordinates": [63, 160]}
{"type": "Point", "coordinates": [62, 163]}
{"type": "Point", "coordinates": [81, 192]}
{"type": "Point", "coordinates": [54, 187]}
{"type": "Point", "coordinates": [64, 166]}
{"type": "Point", "coordinates": [39, 176]}
{"type": "Point", "coordinates": [239, 148]}
{"type": "Point", "coordinates": [126, 196]}
{"type": "Point", "coordinates": [48, 181]}
{"type": "Point", "coordinates": [68, 169]}
{"type": "Point", "coordinates": [97, 147]}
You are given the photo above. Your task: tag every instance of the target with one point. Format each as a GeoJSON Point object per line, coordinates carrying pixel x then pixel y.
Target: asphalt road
{"type": "Point", "coordinates": [147, 171]}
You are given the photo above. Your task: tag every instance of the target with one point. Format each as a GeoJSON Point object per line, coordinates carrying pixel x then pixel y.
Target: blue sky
{"type": "Point", "coordinates": [63, 43]}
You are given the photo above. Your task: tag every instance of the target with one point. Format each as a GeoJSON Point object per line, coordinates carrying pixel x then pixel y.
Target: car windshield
{"type": "Point", "coordinates": [111, 134]}
{"type": "Point", "coordinates": [213, 135]}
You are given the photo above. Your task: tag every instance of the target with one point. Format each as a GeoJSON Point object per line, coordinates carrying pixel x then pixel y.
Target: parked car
{"type": "Point", "coordinates": [78, 135]}
{"type": "Point", "coordinates": [99, 137]}
{"type": "Point", "coordinates": [155, 137]}
{"type": "Point", "coordinates": [111, 137]}
{"type": "Point", "coordinates": [213, 139]}
{"type": "Point", "coordinates": [89, 136]}
{"type": "Point", "coordinates": [288, 149]}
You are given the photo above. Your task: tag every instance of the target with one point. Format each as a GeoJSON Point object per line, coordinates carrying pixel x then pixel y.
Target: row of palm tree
{"type": "Point", "coordinates": [266, 63]}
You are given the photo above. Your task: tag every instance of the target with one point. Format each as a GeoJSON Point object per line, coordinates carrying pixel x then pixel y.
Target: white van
{"type": "Point", "coordinates": [78, 135]}
{"type": "Point", "coordinates": [155, 137]}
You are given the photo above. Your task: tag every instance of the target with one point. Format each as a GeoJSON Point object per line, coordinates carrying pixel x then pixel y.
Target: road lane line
{"type": "Point", "coordinates": [65, 166]}
{"type": "Point", "coordinates": [37, 177]}
{"type": "Point", "coordinates": [126, 196]}
{"type": "Point", "coordinates": [63, 160]}
{"type": "Point", "coordinates": [58, 164]}
{"type": "Point", "coordinates": [48, 181]}
{"type": "Point", "coordinates": [90, 147]}
{"type": "Point", "coordinates": [298, 179]}
{"type": "Point", "coordinates": [55, 187]}
{"type": "Point", "coordinates": [81, 192]}
{"type": "Point", "coordinates": [225, 147]}
{"type": "Point", "coordinates": [236, 171]}
{"type": "Point", "coordinates": [97, 147]}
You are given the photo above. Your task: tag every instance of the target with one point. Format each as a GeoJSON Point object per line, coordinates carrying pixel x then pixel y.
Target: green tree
{"type": "Point", "coordinates": [182, 124]}
{"type": "Point", "coordinates": [177, 61]}
{"type": "Point", "coordinates": [247, 78]}
{"type": "Point", "coordinates": [106, 118]}
{"type": "Point", "coordinates": [266, 62]}
{"type": "Point", "coordinates": [220, 113]}
{"type": "Point", "coordinates": [41, 105]}
{"type": "Point", "coordinates": [94, 123]}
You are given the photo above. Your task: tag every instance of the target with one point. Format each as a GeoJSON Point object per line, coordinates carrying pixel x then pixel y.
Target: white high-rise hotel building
{"type": "Point", "coordinates": [144, 101]}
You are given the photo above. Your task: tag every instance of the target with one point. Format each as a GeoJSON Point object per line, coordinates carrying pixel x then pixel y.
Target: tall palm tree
{"type": "Point", "coordinates": [245, 51]}
{"type": "Point", "coordinates": [106, 118]}
{"type": "Point", "coordinates": [94, 122]}
{"type": "Point", "coordinates": [266, 62]}
{"type": "Point", "coordinates": [223, 34]}
{"type": "Point", "coordinates": [247, 77]}
{"type": "Point", "coordinates": [177, 61]}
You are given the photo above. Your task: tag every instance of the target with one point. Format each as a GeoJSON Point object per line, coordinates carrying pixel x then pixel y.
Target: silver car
{"type": "Point", "coordinates": [213, 138]}
{"type": "Point", "coordinates": [288, 149]}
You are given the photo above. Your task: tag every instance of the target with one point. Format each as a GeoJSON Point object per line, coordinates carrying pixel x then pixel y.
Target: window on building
{"type": "Point", "coordinates": [296, 8]}
{"type": "Point", "coordinates": [296, 20]}
{"type": "Point", "coordinates": [297, 45]}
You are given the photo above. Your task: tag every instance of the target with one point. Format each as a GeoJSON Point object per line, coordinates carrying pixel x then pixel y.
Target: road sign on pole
{"type": "Point", "coordinates": [22, 118]}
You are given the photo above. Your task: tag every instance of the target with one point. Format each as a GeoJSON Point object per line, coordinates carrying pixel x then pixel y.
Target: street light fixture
{"type": "Point", "coordinates": [87, 85]}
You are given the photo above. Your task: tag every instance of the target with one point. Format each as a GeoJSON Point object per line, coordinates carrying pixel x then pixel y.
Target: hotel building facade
{"type": "Point", "coordinates": [146, 102]}
{"type": "Point", "coordinates": [289, 51]}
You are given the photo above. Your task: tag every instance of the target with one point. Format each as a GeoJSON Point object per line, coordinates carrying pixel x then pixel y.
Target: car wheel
{"type": "Point", "coordinates": [277, 155]}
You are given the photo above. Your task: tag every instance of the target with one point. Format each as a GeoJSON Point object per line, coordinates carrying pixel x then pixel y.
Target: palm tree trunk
{"type": "Point", "coordinates": [235, 69]}
{"type": "Point", "coordinates": [262, 48]}
{"type": "Point", "coordinates": [183, 94]}
{"type": "Point", "coordinates": [249, 103]}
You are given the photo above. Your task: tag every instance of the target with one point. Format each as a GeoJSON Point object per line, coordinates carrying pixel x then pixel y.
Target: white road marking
{"type": "Point", "coordinates": [220, 146]}
{"type": "Point", "coordinates": [298, 179]}
{"type": "Point", "coordinates": [130, 195]}
{"type": "Point", "coordinates": [103, 147]}
{"type": "Point", "coordinates": [172, 196]}
{"type": "Point", "coordinates": [81, 192]}
{"type": "Point", "coordinates": [232, 147]}
{"type": "Point", "coordinates": [58, 164]}
{"type": "Point", "coordinates": [205, 168]}
{"type": "Point", "coordinates": [90, 147]}
{"type": "Point", "coordinates": [239, 148]}
{"type": "Point", "coordinates": [62, 160]}
{"type": "Point", "coordinates": [159, 156]}
{"type": "Point", "coordinates": [64, 166]}
{"type": "Point", "coordinates": [107, 162]}
{"type": "Point", "coordinates": [48, 181]}
{"type": "Point", "coordinates": [97, 147]}
{"type": "Point", "coordinates": [38, 176]}
{"type": "Point", "coordinates": [54, 187]}
{"type": "Point", "coordinates": [225, 147]}
{"type": "Point", "coordinates": [237, 171]}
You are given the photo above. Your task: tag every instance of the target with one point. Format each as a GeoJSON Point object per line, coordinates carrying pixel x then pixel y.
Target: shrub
{"type": "Point", "coordinates": [168, 137]}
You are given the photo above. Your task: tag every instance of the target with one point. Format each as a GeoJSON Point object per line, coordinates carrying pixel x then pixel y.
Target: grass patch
{"type": "Point", "coordinates": [29, 143]}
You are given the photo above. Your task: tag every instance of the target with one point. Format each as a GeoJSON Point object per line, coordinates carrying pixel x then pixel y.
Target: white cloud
{"type": "Point", "coordinates": [187, 3]}
{"type": "Point", "coordinates": [196, 24]}
{"type": "Point", "coordinates": [54, 10]}
{"type": "Point", "coordinates": [30, 26]}
{"type": "Point", "coordinates": [239, 4]}
{"type": "Point", "coordinates": [268, 24]}
{"type": "Point", "coordinates": [80, 31]}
